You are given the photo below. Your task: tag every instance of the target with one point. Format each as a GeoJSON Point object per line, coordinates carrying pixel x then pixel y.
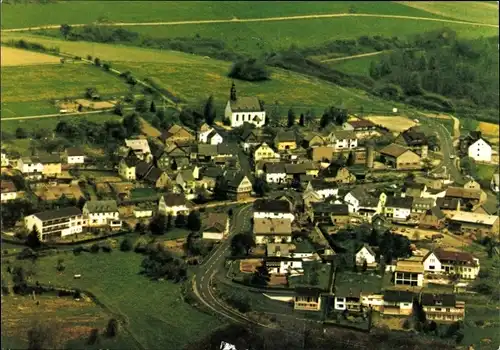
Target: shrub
{"type": "Point", "coordinates": [77, 250]}
{"type": "Point", "coordinates": [112, 328]}
{"type": "Point", "coordinates": [94, 248]}
{"type": "Point", "coordinates": [89, 57]}
{"type": "Point", "coordinates": [126, 245]}
{"type": "Point", "coordinates": [106, 247]}
{"type": "Point", "coordinates": [249, 70]}
{"type": "Point", "coordinates": [106, 66]}
{"type": "Point", "coordinates": [93, 337]}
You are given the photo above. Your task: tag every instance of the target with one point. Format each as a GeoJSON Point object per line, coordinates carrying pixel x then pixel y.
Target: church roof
{"type": "Point", "coordinates": [245, 104]}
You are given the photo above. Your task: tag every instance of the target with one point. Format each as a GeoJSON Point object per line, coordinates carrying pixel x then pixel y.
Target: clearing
{"type": "Point", "coordinates": [394, 124]}
{"type": "Point", "coordinates": [16, 57]}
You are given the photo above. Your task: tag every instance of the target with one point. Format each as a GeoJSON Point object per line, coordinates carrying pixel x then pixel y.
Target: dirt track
{"type": "Point", "coordinates": [268, 19]}
{"type": "Point", "coordinates": [353, 57]}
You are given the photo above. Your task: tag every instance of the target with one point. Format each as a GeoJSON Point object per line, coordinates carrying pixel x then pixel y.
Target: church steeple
{"type": "Point", "coordinates": [233, 92]}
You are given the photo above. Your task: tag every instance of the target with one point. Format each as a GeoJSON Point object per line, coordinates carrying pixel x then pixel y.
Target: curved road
{"type": "Point", "coordinates": [265, 19]}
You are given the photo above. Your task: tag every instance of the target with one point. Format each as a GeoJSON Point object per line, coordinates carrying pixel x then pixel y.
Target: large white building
{"type": "Point", "coordinates": [28, 165]}
{"type": "Point", "coordinates": [74, 155]}
{"type": "Point", "coordinates": [9, 191]}
{"type": "Point", "coordinates": [343, 140]}
{"type": "Point", "coordinates": [480, 151]}
{"type": "Point", "coordinates": [174, 204]}
{"type": "Point", "coordinates": [272, 209]}
{"type": "Point", "coordinates": [240, 110]}
{"type": "Point", "coordinates": [102, 213]}
{"type": "Point", "coordinates": [56, 223]}
{"type": "Point", "coordinates": [450, 262]}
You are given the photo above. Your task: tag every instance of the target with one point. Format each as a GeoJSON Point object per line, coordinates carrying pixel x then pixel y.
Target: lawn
{"type": "Point", "coordinates": [365, 282]}
{"type": "Point", "coordinates": [485, 171]}
{"type": "Point", "coordinates": [29, 15]}
{"type": "Point", "coordinates": [157, 316]}
{"type": "Point", "coordinates": [46, 82]}
{"type": "Point", "coordinates": [323, 272]}
{"type": "Point", "coordinates": [137, 193]}
{"type": "Point", "coordinates": [24, 109]}
{"type": "Point", "coordinates": [358, 66]}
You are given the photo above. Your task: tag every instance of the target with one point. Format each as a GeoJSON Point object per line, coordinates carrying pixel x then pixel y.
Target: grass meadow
{"type": "Point", "coordinates": [156, 314]}
{"type": "Point", "coordinates": [71, 12]}
{"type": "Point", "coordinates": [23, 108]}
{"type": "Point", "coordinates": [358, 66]}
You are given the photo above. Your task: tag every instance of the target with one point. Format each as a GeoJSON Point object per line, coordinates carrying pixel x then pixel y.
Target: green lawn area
{"type": "Point", "coordinates": [323, 272]}
{"type": "Point", "coordinates": [157, 316]}
{"type": "Point", "coordinates": [142, 192]}
{"type": "Point", "coordinates": [485, 171]}
{"type": "Point", "coordinates": [47, 82]}
{"type": "Point", "coordinates": [358, 66]}
{"type": "Point", "coordinates": [10, 126]}
{"type": "Point", "coordinates": [26, 15]}
{"type": "Point", "coordinates": [24, 109]}
{"type": "Point", "coordinates": [480, 309]}
{"type": "Point", "coordinates": [365, 282]}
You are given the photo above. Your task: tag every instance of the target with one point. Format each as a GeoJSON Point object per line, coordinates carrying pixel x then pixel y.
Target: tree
{"type": "Point", "coordinates": [241, 244]}
{"type": "Point", "coordinates": [158, 224]}
{"type": "Point", "coordinates": [5, 287]}
{"type": "Point", "coordinates": [21, 133]}
{"type": "Point", "coordinates": [261, 276]}
{"type": "Point", "coordinates": [302, 120]}
{"type": "Point", "coordinates": [291, 118]}
{"type": "Point", "coordinates": [209, 110]}
{"type": "Point", "coordinates": [260, 186]}
{"type": "Point", "coordinates": [350, 159]}
{"type": "Point", "coordinates": [118, 110]}
{"type": "Point", "coordinates": [374, 70]}
{"type": "Point", "coordinates": [33, 239]}
{"type": "Point", "coordinates": [97, 61]}
{"type": "Point", "coordinates": [418, 311]}
{"type": "Point", "coordinates": [468, 166]}
{"type": "Point", "coordinates": [309, 117]}
{"type": "Point", "coordinates": [45, 335]}
{"type": "Point", "coordinates": [60, 266]}
{"type": "Point", "coordinates": [93, 337]}
{"type": "Point", "coordinates": [249, 70]}
{"type": "Point", "coordinates": [365, 266]}
{"type": "Point", "coordinates": [168, 225]}
{"type": "Point", "coordinates": [141, 105]}
{"type": "Point", "coordinates": [91, 92]}
{"type": "Point", "coordinates": [112, 328]}
{"type": "Point", "coordinates": [65, 30]}
{"type": "Point", "coordinates": [152, 107]}
{"type": "Point", "coordinates": [193, 221]}
{"type": "Point", "coordinates": [94, 248]}
{"type": "Point", "coordinates": [126, 245]}
{"type": "Point", "coordinates": [106, 66]}
{"type": "Point", "coordinates": [132, 124]}
{"type": "Point", "coordinates": [180, 220]}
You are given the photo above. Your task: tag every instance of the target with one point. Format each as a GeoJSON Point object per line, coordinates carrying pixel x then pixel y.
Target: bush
{"type": "Point", "coordinates": [94, 248]}
{"type": "Point", "coordinates": [93, 337]}
{"type": "Point", "coordinates": [21, 133]}
{"type": "Point", "coordinates": [112, 328]}
{"type": "Point", "coordinates": [249, 70]}
{"type": "Point", "coordinates": [106, 247]}
{"type": "Point", "coordinates": [106, 66]}
{"type": "Point", "coordinates": [77, 250]}
{"type": "Point", "coordinates": [126, 245]}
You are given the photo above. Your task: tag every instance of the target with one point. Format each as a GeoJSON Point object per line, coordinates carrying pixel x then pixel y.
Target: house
{"type": "Point", "coordinates": [174, 204]}
{"type": "Point", "coordinates": [157, 178]}
{"type": "Point", "coordinates": [409, 273]}
{"type": "Point", "coordinates": [272, 209]}
{"type": "Point", "coordinates": [5, 158]}
{"type": "Point", "coordinates": [215, 226]}
{"type": "Point", "coordinates": [474, 223]}
{"type": "Point", "coordinates": [442, 261]}
{"type": "Point", "coordinates": [186, 180]}
{"type": "Point", "coordinates": [177, 134]}
{"type": "Point", "coordinates": [278, 249]}
{"type": "Point", "coordinates": [267, 230]}
{"type": "Point", "coordinates": [209, 176]}
{"type": "Point", "coordinates": [236, 185]}
{"type": "Point", "coordinates": [303, 249]}
{"type": "Point", "coordinates": [480, 151]}
{"type": "Point", "coordinates": [102, 213]}
{"type": "Point", "coordinates": [275, 173]}
{"type": "Point", "coordinates": [142, 168]}
{"type": "Point", "coordinates": [342, 140]}
{"type": "Point", "coordinates": [372, 300]}
{"type": "Point", "coordinates": [421, 205]}
{"type": "Point", "coordinates": [280, 265]}
{"type": "Point", "coordinates": [380, 223]}
{"type": "Point", "coordinates": [264, 151]}
{"type": "Point", "coordinates": [140, 147]}
{"type": "Point", "coordinates": [240, 110]}
{"type": "Point", "coordinates": [312, 140]}
{"type": "Point", "coordinates": [323, 153]}
{"type": "Point", "coordinates": [337, 173]}
{"type": "Point", "coordinates": [359, 200]}
{"type": "Point", "coordinates": [126, 167]}
{"type": "Point", "coordinates": [348, 298]}
{"type": "Point", "coordinates": [143, 210]}
{"type": "Point", "coordinates": [365, 253]}
{"type": "Point", "coordinates": [432, 218]}
{"type": "Point", "coordinates": [74, 155]}
{"type": "Point", "coordinates": [310, 197]}
{"type": "Point", "coordinates": [414, 189]}
{"type": "Point", "coordinates": [203, 132]}
{"type": "Point", "coordinates": [285, 140]}
{"type": "Point", "coordinates": [251, 138]}
{"type": "Point", "coordinates": [51, 164]}
{"type": "Point", "coordinates": [467, 197]}
{"type": "Point", "coordinates": [400, 157]}
{"type": "Point", "coordinates": [30, 167]}
{"type": "Point", "coordinates": [448, 204]}
{"type": "Point", "coordinates": [9, 191]}
{"type": "Point", "coordinates": [361, 127]}
{"type": "Point", "coordinates": [442, 307]}
{"type": "Point", "coordinates": [412, 138]}
{"type": "Point", "coordinates": [472, 185]}
{"type": "Point", "coordinates": [307, 299]}
{"type": "Point", "coordinates": [398, 302]}
{"type": "Point", "coordinates": [398, 208]}
{"type": "Point", "coordinates": [339, 214]}
{"type": "Point", "coordinates": [298, 170]}
{"type": "Point", "coordinates": [324, 189]}
{"type": "Point", "coordinates": [325, 213]}
{"type": "Point", "coordinates": [56, 223]}
{"type": "Point", "coordinates": [495, 183]}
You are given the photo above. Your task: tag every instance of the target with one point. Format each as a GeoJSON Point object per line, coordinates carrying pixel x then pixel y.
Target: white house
{"type": "Point", "coordinates": [495, 183]}
{"type": "Point", "coordinates": [5, 158]}
{"type": "Point", "coordinates": [363, 203]}
{"type": "Point", "coordinates": [28, 165]}
{"type": "Point", "coordinates": [9, 191]}
{"type": "Point", "coordinates": [174, 204]}
{"type": "Point", "coordinates": [272, 209]}
{"type": "Point", "coordinates": [140, 147]}
{"type": "Point", "coordinates": [102, 213]}
{"type": "Point", "coordinates": [272, 231]}
{"type": "Point", "coordinates": [240, 110]}
{"type": "Point", "coordinates": [480, 151]}
{"type": "Point", "coordinates": [431, 263]}
{"type": "Point", "coordinates": [215, 226]}
{"type": "Point", "coordinates": [451, 262]}
{"type": "Point", "coordinates": [74, 156]}
{"type": "Point", "coordinates": [322, 188]}
{"type": "Point", "coordinates": [275, 173]}
{"type": "Point", "coordinates": [281, 265]}
{"type": "Point", "coordinates": [56, 223]}
{"type": "Point", "coordinates": [365, 254]}
{"type": "Point", "coordinates": [207, 134]}
{"type": "Point", "coordinates": [143, 211]}
{"type": "Point", "coordinates": [398, 208]}
{"type": "Point", "coordinates": [264, 151]}
{"type": "Point", "coordinates": [343, 140]}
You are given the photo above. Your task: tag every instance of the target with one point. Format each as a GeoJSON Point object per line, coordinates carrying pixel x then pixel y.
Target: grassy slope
{"type": "Point", "coordinates": [358, 66]}
{"type": "Point", "coordinates": [156, 313]}
{"type": "Point", "coordinates": [26, 15]}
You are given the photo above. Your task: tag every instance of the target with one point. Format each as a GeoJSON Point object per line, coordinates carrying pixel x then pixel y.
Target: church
{"type": "Point", "coordinates": [240, 110]}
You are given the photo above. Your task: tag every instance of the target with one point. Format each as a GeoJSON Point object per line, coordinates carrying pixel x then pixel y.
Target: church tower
{"type": "Point", "coordinates": [233, 92]}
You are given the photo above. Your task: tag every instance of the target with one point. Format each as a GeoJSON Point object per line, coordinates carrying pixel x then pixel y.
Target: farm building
{"type": "Point", "coordinates": [399, 157]}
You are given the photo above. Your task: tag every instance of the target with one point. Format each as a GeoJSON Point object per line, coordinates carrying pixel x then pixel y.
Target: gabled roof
{"type": "Point", "coordinates": [215, 222]}
{"type": "Point", "coordinates": [58, 214]}
{"type": "Point", "coordinates": [464, 193]}
{"type": "Point", "coordinates": [212, 171]}
{"type": "Point", "coordinates": [412, 137]}
{"type": "Point", "coordinates": [233, 178]}
{"type": "Point", "coordinates": [449, 255]}
{"type": "Point", "coordinates": [370, 250]}
{"type": "Point", "coordinates": [272, 226]}
{"type": "Point", "coordinates": [175, 199]}
{"type": "Point", "coordinates": [212, 134]}
{"type": "Point", "coordinates": [393, 150]}
{"type": "Point", "coordinates": [299, 168]}
{"type": "Point", "coordinates": [245, 104]}
{"type": "Point", "coordinates": [308, 291]}
{"type": "Point", "coordinates": [435, 211]}
{"type": "Point", "coordinates": [399, 202]}
{"type": "Point", "coordinates": [142, 168]}
{"type": "Point", "coordinates": [274, 168]}
{"type": "Point", "coordinates": [447, 203]}
{"type": "Point", "coordinates": [107, 206]}
{"type": "Point", "coordinates": [8, 186]}
{"type": "Point", "coordinates": [272, 206]}
{"type": "Point", "coordinates": [205, 127]}
{"type": "Point", "coordinates": [330, 208]}
{"type": "Point", "coordinates": [311, 136]}
{"type": "Point", "coordinates": [481, 139]}
{"type": "Point", "coordinates": [318, 184]}
{"type": "Point", "coordinates": [49, 158]}
{"type": "Point", "coordinates": [187, 175]}
{"type": "Point", "coordinates": [474, 218]}
{"type": "Point", "coordinates": [175, 130]}
{"type": "Point", "coordinates": [285, 136]}
{"type": "Point", "coordinates": [343, 135]}
{"type": "Point", "coordinates": [361, 124]}
{"type": "Point", "coordinates": [398, 296]}
{"type": "Point", "coordinates": [154, 174]}
{"type": "Point", "coordinates": [207, 150]}
{"type": "Point", "coordinates": [224, 148]}
{"type": "Point", "coordinates": [304, 247]}
{"type": "Point", "coordinates": [74, 152]}
{"type": "Point", "coordinates": [141, 145]}
{"type": "Point", "coordinates": [428, 299]}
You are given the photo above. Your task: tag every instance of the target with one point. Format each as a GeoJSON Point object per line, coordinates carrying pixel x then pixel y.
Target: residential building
{"type": "Point", "coordinates": [142, 168]}
{"type": "Point", "coordinates": [285, 140]}
{"type": "Point", "coordinates": [264, 151]}
{"type": "Point", "coordinates": [267, 230]}
{"type": "Point", "coordinates": [9, 191]}
{"type": "Point", "coordinates": [365, 204]}
{"type": "Point", "coordinates": [467, 197]}
{"type": "Point", "coordinates": [236, 185]}
{"type": "Point", "coordinates": [56, 223]}
{"type": "Point", "coordinates": [5, 158]}
{"type": "Point", "coordinates": [421, 205]}
{"type": "Point", "coordinates": [495, 183]}
{"type": "Point", "coordinates": [174, 204]}
{"type": "Point", "coordinates": [186, 180]}
{"type": "Point", "coordinates": [215, 226]}
{"type": "Point", "coordinates": [280, 265]}
{"type": "Point", "coordinates": [126, 167]}
{"type": "Point", "coordinates": [251, 138]}
{"type": "Point", "coordinates": [275, 173]}
{"type": "Point", "coordinates": [472, 185]}
{"type": "Point", "coordinates": [339, 174]}
{"type": "Point", "coordinates": [412, 138]}
{"type": "Point", "coordinates": [442, 261]}
{"type": "Point", "coordinates": [342, 140]}
{"type": "Point", "coordinates": [365, 253]}
{"type": "Point", "coordinates": [328, 213]}
{"type": "Point", "coordinates": [442, 307]}
{"type": "Point", "coordinates": [414, 189]}
{"type": "Point", "coordinates": [272, 209]}
{"type": "Point", "coordinates": [240, 110]}
{"type": "Point", "coordinates": [448, 204]}
{"type": "Point", "coordinates": [177, 134]}
{"type": "Point", "coordinates": [398, 208]}
{"type": "Point", "coordinates": [373, 301]}
{"type": "Point", "coordinates": [433, 218]}
{"type": "Point", "coordinates": [400, 157]}
{"type": "Point", "coordinates": [278, 249]}
{"type": "Point", "coordinates": [409, 272]}
{"type": "Point", "coordinates": [474, 223]}
{"type": "Point", "coordinates": [324, 189]}
{"type": "Point", "coordinates": [30, 167]}
{"type": "Point", "coordinates": [361, 127]}
{"type": "Point", "coordinates": [143, 210]}
{"type": "Point", "coordinates": [302, 248]}
{"type": "Point", "coordinates": [398, 302]}
{"type": "Point", "coordinates": [74, 155]}
{"type": "Point", "coordinates": [348, 299]}
{"type": "Point", "coordinates": [102, 213]}
{"type": "Point", "coordinates": [297, 170]}
{"type": "Point", "coordinates": [312, 140]}
{"type": "Point", "coordinates": [323, 153]}
{"type": "Point", "coordinates": [140, 147]}
{"type": "Point", "coordinates": [157, 178]}
{"type": "Point", "coordinates": [480, 150]}
{"type": "Point", "coordinates": [51, 164]}
{"type": "Point", "coordinates": [203, 132]}
{"type": "Point", "coordinates": [307, 299]}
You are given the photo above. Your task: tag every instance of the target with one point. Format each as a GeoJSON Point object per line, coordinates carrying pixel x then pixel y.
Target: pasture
{"type": "Point", "coordinates": [16, 57]}
{"type": "Point", "coordinates": [71, 12]}
{"type": "Point", "coordinates": [394, 124]}
{"type": "Point", "coordinates": [357, 66]}
{"type": "Point", "coordinates": [156, 314]}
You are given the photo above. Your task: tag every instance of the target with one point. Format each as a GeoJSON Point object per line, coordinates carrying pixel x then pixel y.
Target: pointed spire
{"type": "Point", "coordinates": [233, 92]}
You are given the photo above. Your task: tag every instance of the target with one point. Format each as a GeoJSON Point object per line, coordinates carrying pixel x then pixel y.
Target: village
{"type": "Point", "coordinates": [344, 222]}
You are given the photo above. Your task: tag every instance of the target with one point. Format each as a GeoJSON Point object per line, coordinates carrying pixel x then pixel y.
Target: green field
{"type": "Point", "coordinates": [23, 109]}
{"type": "Point", "coordinates": [155, 312]}
{"type": "Point", "coordinates": [358, 66]}
{"type": "Point", "coordinates": [485, 171]}
{"type": "Point", "coordinates": [29, 15]}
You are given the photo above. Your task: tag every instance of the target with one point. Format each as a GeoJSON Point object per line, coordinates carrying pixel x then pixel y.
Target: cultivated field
{"type": "Point", "coordinates": [489, 129]}
{"type": "Point", "coordinates": [16, 57]}
{"type": "Point", "coordinates": [156, 313]}
{"type": "Point", "coordinates": [148, 129]}
{"type": "Point", "coordinates": [394, 124]}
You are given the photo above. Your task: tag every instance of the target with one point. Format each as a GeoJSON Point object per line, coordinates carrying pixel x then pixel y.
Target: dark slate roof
{"type": "Point", "coordinates": [274, 168]}
{"type": "Point", "coordinates": [154, 174]}
{"type": "Point", "coordinates": [447, 203]}
{"type": "Point", "coordinates": [453, 255]}
{"type": "Point", "coordinates": [285, 136]}
{"type": "Point", "coordinates": [271, 205]}
{"type": "Point", "coordinates": [58, 214]}
{"type": "Point", "coordinates": [398, 296]}
{"type": "Point", "coordinates": [187, 175]}
{"type": "Point", "coordinates": [330, 208]}
{"type": "Point", "coordinates": [175, 199]}
{"type": "Point", "coordinates": [393, 150]}
{"type": "Point", "coordinates": [74, 152]}
{"type": "Point", "coordinates": [361, 124]}
{"type": "Point", "coordinates": [435, 211]}
{"type": "Point", "coordinates": [212, 171]}
{"type": "Point", "coordinates": [318, 184]}
{"type": "Point", "coordinates": [224, 148]}
{"type": "Point", "coordinates": [428, 299]}
{"type": "Point", "coordinates": [206, 150]}
{"type": "Point", "coordinates": [233, 178]}
{"type": "Point", "coordinates": [131, 160]}
{"type": "Point", "coordinates": [49, 158]}
{"type": "Point", "coordinates": [399, 202]}
{"type": "Point", "coordinates": [299, 168]}
{"type": "Point", "coordinates": [412, 137]}
{"type": "Point", "coordinates": [142, 168]}
{"type": "Point", "coordinates": [108, 206]}
{"type": "Point", "coordinates": [215, 222]}
{"type": "Point", "coordinates": [308, 291]}
{"type": "Point", "coordinates": [245, 104]}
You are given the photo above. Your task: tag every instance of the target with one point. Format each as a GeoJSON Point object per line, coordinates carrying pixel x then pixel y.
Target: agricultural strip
{"type": "Point", "coordinates": [16, 57]}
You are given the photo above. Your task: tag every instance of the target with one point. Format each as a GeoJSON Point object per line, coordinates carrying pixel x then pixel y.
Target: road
{"type": "Point", "coordinates": [265, 19]}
